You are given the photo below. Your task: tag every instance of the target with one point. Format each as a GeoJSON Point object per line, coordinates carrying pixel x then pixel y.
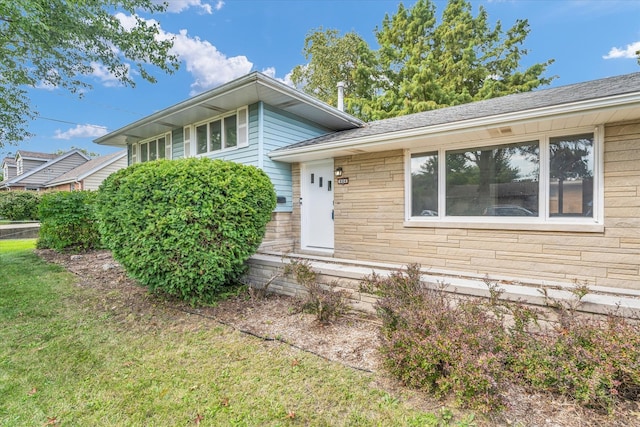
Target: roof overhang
{"type": "Point", "coordinates": [247, 90]}
{"type": "Point", "coordinates": [535, 121]}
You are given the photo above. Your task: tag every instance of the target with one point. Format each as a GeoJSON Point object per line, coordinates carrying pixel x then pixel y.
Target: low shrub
{"type": "Point", "coordinates": [185, 227]}
{"type": "Point", "coordinates": [19, 205]}
{"type": "Point", "coordinates": [474, 348]}
{"type": "Point", "coordinates": [68, 221]}
{"type": "Point", "coordinates": [434, 342]}
{"type": "Point", "coordinates": [594, 361]}
{"type": "Point", "coordinates": [324, 301]}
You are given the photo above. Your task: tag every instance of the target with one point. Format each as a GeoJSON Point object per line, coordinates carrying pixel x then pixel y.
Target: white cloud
{"type": "Point", "coordinates": [177, 6]}
{"type": "Point", "coordinates": [287, 80]}
{"type": "Point", "coordinates": [627, 52]}
{"type": "Point", "coordinates": [206, 63]}
{"type": "Point", "coordinates": [208, 66]}
{"type": "Point", "coordinates": [81, 131]}
{"type": "Point", "coordinates": [271, 72]}
{"type": "Point", "coordinates": [130, 21]}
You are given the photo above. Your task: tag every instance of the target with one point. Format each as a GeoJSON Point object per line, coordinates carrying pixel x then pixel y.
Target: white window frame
{"type": "Point", "coordinates": [242, 126]}
{"type": "Point", "coordinates": [168, 147]}
{"type": "Point", "coordinates": [136, 153]}
{"type": "Point", "coordinates": [542, 222]}
{"type": "Point", "coordinates": [187, 131]}
{"type": "Point", "coordinates": [242, 132]}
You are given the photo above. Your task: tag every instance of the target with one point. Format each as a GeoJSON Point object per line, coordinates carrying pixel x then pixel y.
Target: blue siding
{"type": "Point", "coordinates": [279, 130]}
{"type": "Point", "coordinates": [245, 155]}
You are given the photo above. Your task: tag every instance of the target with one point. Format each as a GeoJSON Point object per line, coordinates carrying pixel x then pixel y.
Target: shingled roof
{"type": "Point", "coordinates": [520, 102]}
{"type": "Point", "coordinates": [88, 168]}
{"type": "Point", "coordinates": [9, 161]}
{"type": "Point", "coordinates": [36, 155]}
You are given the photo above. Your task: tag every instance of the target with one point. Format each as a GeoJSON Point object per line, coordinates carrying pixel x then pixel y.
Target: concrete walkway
{"type": "Point", "coordinates": [19, 231]}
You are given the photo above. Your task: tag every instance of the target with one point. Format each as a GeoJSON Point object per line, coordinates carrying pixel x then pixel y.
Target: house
{"type": "Point", "coordinates": [22, 162]}
{"type": "Point", "coordinates": [69, 171]}
{"type": "Point", "coordinates": [89, 175]}
{"type": "Point", "coordinates": [532, 189]}
{"type": "Point", "coordinates": [8, 168]}
{"type": "Point", "coordinates": [34, 170]}
{"type": "Point", "coordinates": [243, 121]}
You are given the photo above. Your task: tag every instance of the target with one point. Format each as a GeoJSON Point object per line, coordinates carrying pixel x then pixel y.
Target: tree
{"type": "Point", "coordinates": [334, 59]}
{"type": "Point", "coordinates": [423, 64]}
{"type": "Point", "coordinates": [58, 42]}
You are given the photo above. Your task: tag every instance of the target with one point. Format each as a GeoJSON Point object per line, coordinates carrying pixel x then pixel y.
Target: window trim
{"type": "Point", "coordinates": [187, 131]}
{"type": "Point", "coordinates": [242, 132]}
{"type": "Point", "coordinates": [136, 152]}
{"type": "Point", "coordinates": [543, 222]}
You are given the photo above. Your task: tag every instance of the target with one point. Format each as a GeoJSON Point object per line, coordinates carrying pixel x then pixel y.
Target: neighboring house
{"type": "Point", "coordinates": [35, 170]}
{"type": "Point", "coordinates": [8, 168]}
{"type": "Point", "coordinates": [29, 160]}
{"type": "Point", "coordinates": [89, 175]}
{"type": "Point", "coordinates": [537, 188]}
{"type": "Point", "coordinates": [242, 121]}
{"type": "Point", "coordinates": [21, 163]}
{"type": "Point", "coordinates": [69, 171]}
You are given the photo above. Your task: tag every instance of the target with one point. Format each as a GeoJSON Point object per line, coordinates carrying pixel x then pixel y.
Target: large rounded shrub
{"type": "Point", "coordinates": [19, 205]}
{"type": "Point", "coordinates": [185, 227]}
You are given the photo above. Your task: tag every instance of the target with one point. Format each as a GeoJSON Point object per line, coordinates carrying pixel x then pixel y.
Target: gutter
{"type": "Point", "coordinates": [581, 107]}
{"type": "Point", "coordinates": [240, 83]}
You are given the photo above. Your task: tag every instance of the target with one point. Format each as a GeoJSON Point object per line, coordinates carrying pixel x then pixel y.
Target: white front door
{"type": "Point", "coordinates": [316, 191]}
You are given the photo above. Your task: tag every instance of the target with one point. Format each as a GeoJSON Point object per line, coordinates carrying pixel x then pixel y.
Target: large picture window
{"type": "Point", "coordinates": [496, 181]}
{"type": "Point", "coordinates": [531, 181]}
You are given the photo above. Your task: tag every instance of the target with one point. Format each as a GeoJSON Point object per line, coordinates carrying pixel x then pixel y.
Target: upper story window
{"type": "Point", "coordinates": [551, 179]}
{"type": "Point", "coordinates": [19, 166]}
{"type": "Point", "coordinates": [157, 148]}
{"type": "Point", "coordinates": [223, 133]}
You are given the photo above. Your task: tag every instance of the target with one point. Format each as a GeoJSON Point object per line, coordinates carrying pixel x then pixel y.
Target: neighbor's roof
{"type": "Point", "coordinates": [36, 155]}
{"type": "Point", "coordinates": [87, 169]}
{"type": "Point", "coordinates": [9, 161]}
{"type": "Point", "coordinates": [613, 92]}
{"type": "Point", "coordinates": [228, 97]}
{"type": "Point", "coordinates": [56, 159]}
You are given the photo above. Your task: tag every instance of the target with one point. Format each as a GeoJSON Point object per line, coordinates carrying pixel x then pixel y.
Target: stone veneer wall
{"type": "Point", "coordinates": [369, 214]}
{"type": "Point", "coordinates": [278, 234]}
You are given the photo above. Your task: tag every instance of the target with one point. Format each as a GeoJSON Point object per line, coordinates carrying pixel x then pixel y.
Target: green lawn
{"type": "Point", "coordinates": [62, 362]}
{"type": "Point", "coordinates": [17, 246]}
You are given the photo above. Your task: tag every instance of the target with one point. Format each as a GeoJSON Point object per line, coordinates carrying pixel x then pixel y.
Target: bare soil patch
{"type": "Point", "coordinates": [351, 340]}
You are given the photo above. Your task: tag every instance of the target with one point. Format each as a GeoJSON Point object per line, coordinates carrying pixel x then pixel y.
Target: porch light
{"type": "Point", "coordinates": [339, 171]}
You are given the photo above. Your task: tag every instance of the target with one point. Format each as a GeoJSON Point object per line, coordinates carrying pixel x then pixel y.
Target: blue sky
{"type": "Point", "coordinates": [218, 41]}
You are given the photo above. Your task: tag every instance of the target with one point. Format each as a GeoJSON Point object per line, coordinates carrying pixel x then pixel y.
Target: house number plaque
{"type": "Point", "coordinates": [343, 181]}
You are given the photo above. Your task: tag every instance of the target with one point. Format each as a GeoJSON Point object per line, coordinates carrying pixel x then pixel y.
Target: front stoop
{"type": "Point", "coordinates": [348, 274]}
